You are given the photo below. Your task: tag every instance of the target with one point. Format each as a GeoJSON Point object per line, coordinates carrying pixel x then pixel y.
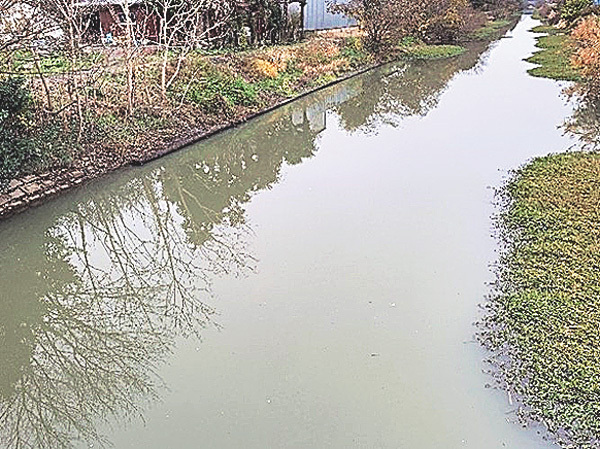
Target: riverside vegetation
{"type": "Point", "coordinates": [543, 324]}
{"type": "Point", "coordinates": [553, 60]}
{"type": "Point", "coordinates": [546, 313]}
{"type": "Point", "coordinates": [67, 101]}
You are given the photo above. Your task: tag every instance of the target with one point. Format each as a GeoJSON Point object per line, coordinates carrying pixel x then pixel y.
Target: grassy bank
{"type": "Point", "coordinates": [106, 110]}
{"type": "Point", "coordinates": [545, 318]}
{"type": "Point", "coordinates": [554, 59]}
{"type": "Point", "coordinates": [208, 90]}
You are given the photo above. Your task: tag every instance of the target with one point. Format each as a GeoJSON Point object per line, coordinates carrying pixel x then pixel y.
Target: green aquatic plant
{"type": "Point", "coordinates": [554, 58]}
{"type": "Point", "coordinates": [491, 30]}
{"type": "Point", "coordinates": [544, 321]}
{"type": "Point", "coordinates": [545, 29]}
{"type": "Point", "coordinates": [423, 51]}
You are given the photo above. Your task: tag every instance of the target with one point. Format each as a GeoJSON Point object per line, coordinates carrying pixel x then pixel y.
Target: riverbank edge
{"type": "Point", "coordinates": [180, 144]}
{"type": "Point", "coordinates": [36, 189]}
{"type": "Point", "coordinates": [554, 54]}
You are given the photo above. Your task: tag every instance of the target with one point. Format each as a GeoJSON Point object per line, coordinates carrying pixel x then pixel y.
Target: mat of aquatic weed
{"type": "Point", "coordinates": [544, 321]}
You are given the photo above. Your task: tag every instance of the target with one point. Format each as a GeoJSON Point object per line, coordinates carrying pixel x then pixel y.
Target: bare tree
{"type": "Point", "coordinates": [186, 25]}
{"type": "Point", "coordinates": [385, 22]}
{"type": "Point", "coordinates": [67, 14]}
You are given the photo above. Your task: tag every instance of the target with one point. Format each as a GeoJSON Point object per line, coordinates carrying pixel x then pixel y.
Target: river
{"type": "Point", "coordinates": [307, 280]}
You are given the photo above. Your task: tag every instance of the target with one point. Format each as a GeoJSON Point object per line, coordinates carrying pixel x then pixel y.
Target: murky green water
{"type": "Point", "coordinates": [309, 280]}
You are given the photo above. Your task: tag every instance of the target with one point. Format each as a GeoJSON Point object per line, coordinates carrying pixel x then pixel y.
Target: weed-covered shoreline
{"type": "Point", "coordinates": [555, 54]}
{"type": "Point", "coordinates": [543, 324]}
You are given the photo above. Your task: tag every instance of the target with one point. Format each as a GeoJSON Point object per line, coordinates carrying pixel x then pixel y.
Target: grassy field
{"type": "Point", "coordinates": [554, 57]}
{"type": "Point", "coordinates": [544, 322]}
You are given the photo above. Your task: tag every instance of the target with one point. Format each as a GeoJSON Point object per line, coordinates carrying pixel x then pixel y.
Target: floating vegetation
{"type": "Point", "coordinates": [545, 29]}
{"type": "Point", "coordinates": [543, 324]}
{"type": "Point", "coordinates": [554, 59]}
{"type": "Point", "coordinates": [423, 51]}
{"type": "Point", "coordinates": [491, 30]}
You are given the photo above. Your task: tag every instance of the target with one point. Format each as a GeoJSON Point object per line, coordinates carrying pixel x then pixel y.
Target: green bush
{"type": "Point", "coordinates": [15, 101]}
{"type": "Point", "coordinates": [28, 143]}
{"type": "Point", "coordinates": [354, 52]}
{"type": "Point", "coordinates": [216, 91]}
{"type": "Point", "coordinates": [15, 98]}
{"type": "Point", "coordinates": [572, 9]}
{"type": "Point", "coordinates": [285, 84]}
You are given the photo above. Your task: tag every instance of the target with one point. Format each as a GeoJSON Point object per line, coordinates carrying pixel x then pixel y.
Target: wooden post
{"type": "Point", "coordinates": [302, 6]}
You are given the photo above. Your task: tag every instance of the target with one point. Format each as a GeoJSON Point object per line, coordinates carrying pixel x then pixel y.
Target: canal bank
{"type": "Point", "coordinates": [32, 190]}
{"type": "Point", "coordinates": [308, 279]}
{"type": "Point", "coordinates": [334, 57]}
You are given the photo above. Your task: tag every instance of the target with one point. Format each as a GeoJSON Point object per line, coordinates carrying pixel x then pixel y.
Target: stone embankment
{"type": "Point", "coordinates": [33, 189]}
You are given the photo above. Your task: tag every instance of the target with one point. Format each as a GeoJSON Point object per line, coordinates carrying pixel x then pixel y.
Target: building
{"type": "Point", "coordinates": [107, 18]}
{"type": "Point", "coordinates": [318, 17]}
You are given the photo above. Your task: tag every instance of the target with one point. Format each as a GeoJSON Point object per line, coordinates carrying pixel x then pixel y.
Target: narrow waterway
{"type": "Point", "coordinates": [308, 280]}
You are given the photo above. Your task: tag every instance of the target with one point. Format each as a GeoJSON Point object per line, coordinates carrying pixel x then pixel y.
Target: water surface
{"type": "Point", "coordinates": [308, 280]}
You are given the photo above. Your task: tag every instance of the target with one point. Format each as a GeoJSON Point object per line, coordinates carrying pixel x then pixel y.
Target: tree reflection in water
{"type": "Point", "coordinates": [93, 299]}
{"type": "Point", "coordinates": [584, 123]}
{"type": "Point", "coordinates": [119, 281]}
{"type": "Point", "coordinates": [398, 91]}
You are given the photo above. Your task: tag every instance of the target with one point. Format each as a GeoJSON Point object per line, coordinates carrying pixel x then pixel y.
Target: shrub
{"type": "Point", "coordinates": [15, 98]}
{"type": "Point", "coordinates": [380, 19]}
{"type": "Point", "coordinates": [386, 22]}
{"type": "Point", "coordinates": [587, 55]}
{"type": "Point", "coordinates": [264, 69]}
{"type": "Point", "coordinates": [216, 92]}
{"type": "Point", "coordinates": [572, 9]}
{"type": "Point", "coordinates": [27, 142]}
{"type": "Point", "coordinates": [270, 62]}
{"type": "Point", "coordinates": [285, 83]}
{"type": "Point", "coordinates": [499, 9]}
{"type": "Point", "coordinates": [449, 20]}
{"type": "Point", "coordinates": [354, 52]}
{"type": "Point", "coordinates": [15, 101]}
